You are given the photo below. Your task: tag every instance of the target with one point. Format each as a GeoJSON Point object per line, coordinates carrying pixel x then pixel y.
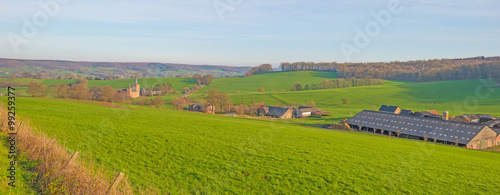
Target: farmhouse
{"type": "Point", "coordinates": [304, 111]}
{"type": "Point", "coordinates": [279, 112]}
{"type": "Point", "coordinates": [390, 109]}
{"type": "Point", "coordinates": [474, 136]}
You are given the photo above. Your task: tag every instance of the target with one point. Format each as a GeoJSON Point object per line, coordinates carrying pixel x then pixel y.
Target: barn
{"type": "Point", "coordinates": [263, 110]}
{"type": "Point", "coordinates": [497, 141]}
{"type": "Point", "coordinates": [474, 136]}
{"type": "Point", "coordinates": [279, 112]}
{"type": "Point", "coordinates": [304, 111]}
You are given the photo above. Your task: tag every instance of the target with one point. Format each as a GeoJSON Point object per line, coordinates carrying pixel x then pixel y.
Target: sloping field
{"type": "Point", "coordinates": [182, 152]}
{"type": "Point", "coordinates": [457, 97]}
{"type": "Point", "coordinates": [269, 81]}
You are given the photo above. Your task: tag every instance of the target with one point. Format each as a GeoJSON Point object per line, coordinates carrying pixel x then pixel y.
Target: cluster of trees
{"type": "Point", "coordinates": [156, 102]}
{"type": "Point", "coordinates": [420, 70]}
{"type": "Point", "coordinates": [160, 89]}
{"type": "Point", "coordinates": [179, 102]}
{"type": "Point", "coordinates": [36, 89]}
{"type": "Point", "coordinates": [11, 83]}
{"type": "Point", "coordinates": [260, 69]}
{"type": "Point", "coordinates": [80, 90]}
{"type": "Point", "coordinates": [219, 100]}
{"type": "Point", "coordinates": [203, 80]}
{"type": "Point", "coordinates": [336, 83]}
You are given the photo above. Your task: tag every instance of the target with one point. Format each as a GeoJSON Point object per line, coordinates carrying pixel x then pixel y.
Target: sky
{"type": "Point", "coordinates": [248, 32]}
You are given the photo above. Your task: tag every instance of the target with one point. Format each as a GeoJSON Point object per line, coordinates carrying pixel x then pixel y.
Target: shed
{"type": "Point", "coordinates": [304, 111]}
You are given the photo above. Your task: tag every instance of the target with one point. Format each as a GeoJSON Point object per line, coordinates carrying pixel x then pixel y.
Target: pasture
{"type": "Point", "coordinates": [183, 152]}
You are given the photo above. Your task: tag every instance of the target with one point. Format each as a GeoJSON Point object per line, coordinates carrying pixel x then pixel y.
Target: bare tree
{"type": "Point", "coordinates": [108, 93]}
{"type": "Point", "coordinates": [62, 91]}
{"type": "Point", "coordinates": [158, 102]}
{"type": "Point", "coordinates": [212, 98]}
{"type": "Point", "coordinates": [36, 89]}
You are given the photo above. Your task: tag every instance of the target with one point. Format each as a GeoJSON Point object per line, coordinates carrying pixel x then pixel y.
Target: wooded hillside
{"type": "Point", "coordinates": [420, 70]}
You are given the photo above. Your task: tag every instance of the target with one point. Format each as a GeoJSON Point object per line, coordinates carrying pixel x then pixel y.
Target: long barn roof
{"type": "Point", "coordinates": [417, 126]}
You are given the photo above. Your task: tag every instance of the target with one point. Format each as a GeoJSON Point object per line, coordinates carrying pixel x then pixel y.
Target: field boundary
{"type": "Point", "coordinates": [55, 170]}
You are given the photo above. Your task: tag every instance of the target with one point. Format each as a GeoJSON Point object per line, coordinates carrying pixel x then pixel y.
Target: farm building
{"type": "Point", "coordinates": [474, 118]}
{"type": "Point", "coordinates": [406, 112]}
{"type": "Point", "coordinates": [474, 136]}
{"type": "Point", "coordinates": [390, 109]}
{"type": "Point", "coordinates": [304, 111]}
{"type": "Point", "coordinates": [200, 108]}
{"type": "Point", "coordinates": [263, 110]}
{"type": "Point", "coordinates": [279, 112]}
{"type": "Point", "coordinates": [429, 114]}
{"type": "Point", "coordinates": [497, 141]}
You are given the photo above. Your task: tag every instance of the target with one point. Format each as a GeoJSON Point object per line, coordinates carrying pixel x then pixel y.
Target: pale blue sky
{"type": "Point", "coordinates": [253, 33]}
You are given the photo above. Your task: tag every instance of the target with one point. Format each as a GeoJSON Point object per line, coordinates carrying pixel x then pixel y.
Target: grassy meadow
{"type": "Point", "coordinates": [269, 81]}
{"type": "Point", "coordinates": [23, 177]}
{"type": "Point", "coordinates": [183, 152]}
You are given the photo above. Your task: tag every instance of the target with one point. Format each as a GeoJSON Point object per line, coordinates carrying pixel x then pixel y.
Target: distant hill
{"type": "Point", "coordinates": [54, 68]}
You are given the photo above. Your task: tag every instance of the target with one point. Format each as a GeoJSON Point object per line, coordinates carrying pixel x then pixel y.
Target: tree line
{"type": "Point", "coordinates": [419, 70]}
{"type": "Point", "coordinates": [80, 91]}
{"type": "Point", "coordinates": [203, 79]}
{"type": "Point", "coordinates": [336, 83]}
{"type": "Point", "coordinates": [260, 69]}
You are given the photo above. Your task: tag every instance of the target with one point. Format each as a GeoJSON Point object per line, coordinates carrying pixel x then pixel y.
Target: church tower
{"type": "Point", "coordinates": [137, 86]}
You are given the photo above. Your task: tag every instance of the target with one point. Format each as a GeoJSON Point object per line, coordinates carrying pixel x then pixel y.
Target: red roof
{"type": "Point", "coordinates": [433, 112]}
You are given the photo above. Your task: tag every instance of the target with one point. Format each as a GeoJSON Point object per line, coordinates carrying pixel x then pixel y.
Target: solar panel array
{"type": "Point", "coordinates": [417, 126]}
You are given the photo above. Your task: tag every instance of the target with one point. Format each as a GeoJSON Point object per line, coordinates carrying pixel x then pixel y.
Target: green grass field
{"type": "Point", "coordinates": [457, 97]}
{"type": "Point", "coordinates": [269, 81]}
{"type": "Point", "coordinates": [22, 176]}
{"type": "Point", "coordinates": [184, 152]}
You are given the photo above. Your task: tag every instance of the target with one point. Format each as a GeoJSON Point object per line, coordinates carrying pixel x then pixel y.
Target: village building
{"type": "Point", "coordinates": [263, 110]}
{"type": "Point", "coordinates": [474, 136]}
{"type": "Point", "coordinates": [201, 108]}
{"type": "Point", "coordinates": [279, 112]}
{"type": "Point", "coordinates": [134, 91]}
{"type": "Point", "coordinates": [390, 109]}
{"type": "Point", "coordinates": [305, 111]}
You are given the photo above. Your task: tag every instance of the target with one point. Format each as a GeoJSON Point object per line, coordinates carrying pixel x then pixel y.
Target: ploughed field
{"type": "Point", "coordinates": [185, 152]}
